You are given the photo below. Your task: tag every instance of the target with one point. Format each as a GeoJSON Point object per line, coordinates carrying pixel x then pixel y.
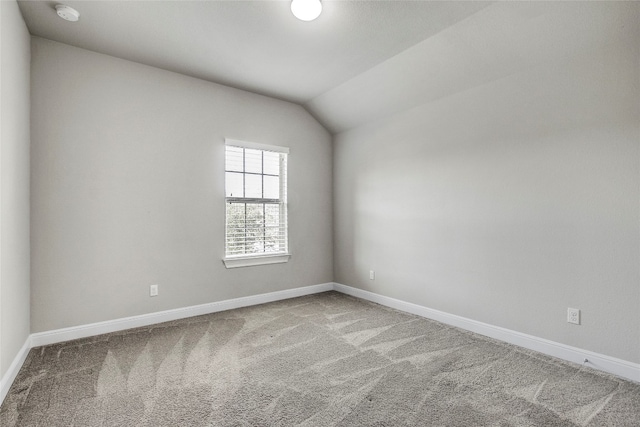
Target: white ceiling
{"type": "Point", "coordinates": [358, 61]}
{"type": "Point", "coordinates": [255, 45]}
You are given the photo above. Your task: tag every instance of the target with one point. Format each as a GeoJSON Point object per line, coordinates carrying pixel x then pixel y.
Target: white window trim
{"type": "Point", "coordinates": [256, 145]}
{"type": "Point", "coordinates": [249, 261]}
{"type": "Point", "coordinates": [262, 259]}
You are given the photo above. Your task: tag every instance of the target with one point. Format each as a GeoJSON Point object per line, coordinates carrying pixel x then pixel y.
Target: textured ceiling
{"type": "Point", "coordinates": [359, 61]}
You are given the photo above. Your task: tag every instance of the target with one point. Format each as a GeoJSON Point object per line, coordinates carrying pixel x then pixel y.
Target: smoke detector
{"type": "Point", "coordinates": [67, 13]}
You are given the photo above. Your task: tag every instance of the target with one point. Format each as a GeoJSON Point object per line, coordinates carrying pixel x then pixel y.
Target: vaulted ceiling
{"type": "Point", "coordinates": [360, 60]}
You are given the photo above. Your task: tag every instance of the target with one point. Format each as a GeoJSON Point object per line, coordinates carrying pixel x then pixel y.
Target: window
{"type": "Point", "coordinates": [256, 204]}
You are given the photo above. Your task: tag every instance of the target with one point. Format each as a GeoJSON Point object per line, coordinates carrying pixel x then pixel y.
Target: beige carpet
{"type": "Point", "coordinates": [321, 360]}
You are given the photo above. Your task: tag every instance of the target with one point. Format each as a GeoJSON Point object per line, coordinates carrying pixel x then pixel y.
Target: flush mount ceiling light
{"type": "Point", "coordinates": [67, 13]}
{"type": "Point", "coordinates": [306, 10]}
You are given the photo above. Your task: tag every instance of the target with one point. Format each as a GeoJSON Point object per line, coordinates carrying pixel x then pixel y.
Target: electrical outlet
{"type": "Point", "coordinates": [573, 315]}
{"type": "Point", "coordinates": [153, 290]}
{"type": "Point", "coordinates": [372, 275]}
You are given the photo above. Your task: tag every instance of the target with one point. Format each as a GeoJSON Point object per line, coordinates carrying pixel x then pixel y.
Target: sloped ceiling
{"type": "Point", "coordinates": [494, 43]}
{"type": "Point", "coordinates": [360, 60]}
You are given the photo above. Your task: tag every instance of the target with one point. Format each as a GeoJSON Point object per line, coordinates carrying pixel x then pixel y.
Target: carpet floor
{"type": "Point", "coordinates": [320, 360]}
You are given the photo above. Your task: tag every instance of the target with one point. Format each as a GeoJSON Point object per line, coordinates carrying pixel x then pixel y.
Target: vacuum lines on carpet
{"type": "Point", "coordinates": [321, 360]}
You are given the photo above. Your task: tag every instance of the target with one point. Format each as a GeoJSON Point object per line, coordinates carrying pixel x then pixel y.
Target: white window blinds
{"type": "Point", "coordinates": [256, 199]}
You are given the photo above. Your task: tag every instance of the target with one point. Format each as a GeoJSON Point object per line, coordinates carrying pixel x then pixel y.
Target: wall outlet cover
{"type": "Point", "coordinates": [573, 315]}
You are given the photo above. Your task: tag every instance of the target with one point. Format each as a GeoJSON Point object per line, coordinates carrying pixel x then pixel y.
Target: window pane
{"type": "Point", "coordinates": [272, 215]}
{"type": "Point", "coordinates": [252, 160]}
{"type": "Point", "coordinates": [235, 228]}
{"type": "Point", "coordinates": [233, 159]}
{"type": "Point", "coordinates": [271, 187]}
{"type": "Point", "coordinates": [233, 184]}
{"type": "Point", "coordinates": [253, 186]}
{"type": "Point", "coordinates": [255, 227]}
{"type": "Point", "coordinates": [273, 240]}
{"type": "Point", "coordinates": [271, 163]}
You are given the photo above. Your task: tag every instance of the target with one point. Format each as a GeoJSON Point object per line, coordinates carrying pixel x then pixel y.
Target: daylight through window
{"type": "Point", "coordinates": [256, 199]}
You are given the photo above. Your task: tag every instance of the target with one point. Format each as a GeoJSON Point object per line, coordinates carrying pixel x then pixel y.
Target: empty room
{"type": "Point", "coordinates": [319, 213]}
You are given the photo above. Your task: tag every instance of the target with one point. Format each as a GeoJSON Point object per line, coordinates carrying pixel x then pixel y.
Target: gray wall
{"type": "Point", "coordinates": [14, 184]}
{"type": "Point", "coordinates": [506, 202]}
{"type": "Point", "coordinates": [128, 188]}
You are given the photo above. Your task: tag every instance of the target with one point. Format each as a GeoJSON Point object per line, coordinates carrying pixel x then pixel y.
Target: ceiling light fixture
{"type": "Point", "coordinates": [306, 10]}
{"type": "Point", "coordinates": [67, 13]}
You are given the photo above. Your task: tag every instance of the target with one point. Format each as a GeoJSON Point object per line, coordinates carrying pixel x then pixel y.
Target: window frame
{"type": "Point", "coordinates": [246, 260]}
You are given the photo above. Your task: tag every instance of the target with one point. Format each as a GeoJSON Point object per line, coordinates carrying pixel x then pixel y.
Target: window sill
{"type": "Point", "coordinates": [250, 261]}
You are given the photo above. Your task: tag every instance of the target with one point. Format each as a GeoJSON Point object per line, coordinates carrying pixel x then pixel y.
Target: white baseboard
{"type": "Point", "coordinates": [601, 362]}
{"type": "Point", "coordinates": [597, 361]}
{"type": "Point", "coordinates": [83, 331]}
{"type": "Point", "coordinates": [7, 379]}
